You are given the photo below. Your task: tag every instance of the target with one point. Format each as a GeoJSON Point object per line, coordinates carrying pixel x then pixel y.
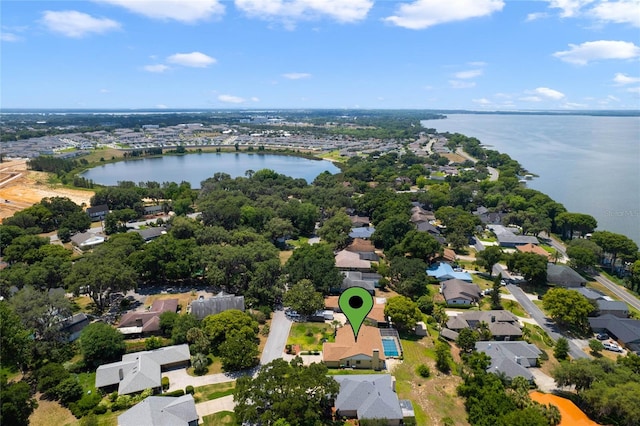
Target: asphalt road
{"type": "Point", "coordinates": [278, 334]}
{"type": "Point", "coordinates": [546, 323]}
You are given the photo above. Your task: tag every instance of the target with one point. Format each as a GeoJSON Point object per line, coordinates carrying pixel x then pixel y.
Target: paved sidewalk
{"type": "Point", "coordinates": [215, 406]}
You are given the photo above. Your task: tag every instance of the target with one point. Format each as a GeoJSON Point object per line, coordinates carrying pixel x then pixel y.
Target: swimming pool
{"type": "Point", "coordinates": [389, 346]}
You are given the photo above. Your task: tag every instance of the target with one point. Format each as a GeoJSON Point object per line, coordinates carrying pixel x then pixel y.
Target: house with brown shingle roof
{"type": "Point", "coordinates": [532, 248]}
{"type": "Point", "coordinates": [350, 261]}
{"type": "Point", "coordinates": [364, 353]}
{"type": "Point", "coordinates": [146, 322]}
{"type": "Point", "coordinates": [365, 249]}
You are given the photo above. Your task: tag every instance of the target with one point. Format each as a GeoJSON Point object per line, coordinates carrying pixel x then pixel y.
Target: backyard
{"type": "Point", "coordinates": [309, 335]}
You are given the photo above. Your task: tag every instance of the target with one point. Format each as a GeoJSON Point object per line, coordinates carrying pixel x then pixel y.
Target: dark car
{"type": "Point", "coordinates": [602, 336]}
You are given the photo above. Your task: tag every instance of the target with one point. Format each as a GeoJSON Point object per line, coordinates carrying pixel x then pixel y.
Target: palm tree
{"type": "Point", "coordinates": [249, 173]}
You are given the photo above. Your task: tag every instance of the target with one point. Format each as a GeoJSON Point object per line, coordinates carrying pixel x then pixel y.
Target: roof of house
{"type": "Point", "coordinates": [161, 411]}
{"type": "Point", "coordinates": [457, 289]}
{"type": "Point", "coordinates": [506, 235]}
{"type": "Point", "coordinates": [589, 293]}
{"type": "Point", "coordinates": [511, 358]}
{"type": "Point", "coordinates": [331, 302]}
{"type": "Point", "coordinates": [532, 248]}
{"type": "Point", "coordinates": [354, 279]}
{"type": "Point", "coordinates": [360, 220]}
{"type": "Point", "coordinates": [626, 330]}
{"type": "Point", "coordinates": [360, 245]}
{"type": "Point", "coordinates": [427, 227]}
{"type": "Point", "coordinates": [365, 232]}
{"type": "Point", "coordinates": [563, 275]}
{"type": "Point", "coordinates": [86, 239]}
{"type": "Point", "coordinates": [147, 322]}
{"type": "Point", "coordinates": [377, 312]}
{"type": "Point", "coordinates": [500, 322]}
{"type": "Point", "coordinates": [349, 260]}
{"type": "Point", "coordinates": [448, 334]}
{"type": "Point", "coordinates": [216, 304]}
{"type": "Point", "coordinates": [97, 209]}
{"type": "Point", "coordinates": [612, 305]}
{"type": "Point", "coordinates": [346, 346]}
{"type": "Point", "coordinates": [443, 271]}
{"type": "Point", "coordinates": [150, 233]}
{"type": "Point", "coordinates": [370, 395]}
{"type": "Point", "coordinates": [140, 370]}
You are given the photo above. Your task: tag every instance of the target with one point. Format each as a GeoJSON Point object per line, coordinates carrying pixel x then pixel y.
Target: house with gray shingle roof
{"type": "Point", "coordinates": [141, 370]}
{"type": "Point", "coordinates": [457, 292]}
{"type": "Point", "coordinates": [214, 305]}
{"type": "Point", "coordinates": [564, 276]}
{"type": "Point", "coordinates": [510, 358]}
{"type": "Point", "coordinates": [370, 396]}
{"type": "Point", "coordinates": [502, 324]}
{"type": "Point", "coordinates": [161, 411]}
{"type": "Point", "coordinates": [613, 307]}
{"type": "Point", "coordinates": [623, 330]}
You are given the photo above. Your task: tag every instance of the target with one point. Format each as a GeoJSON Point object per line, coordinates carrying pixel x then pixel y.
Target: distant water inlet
{"type": "Point", "coordinates": [195, 168]}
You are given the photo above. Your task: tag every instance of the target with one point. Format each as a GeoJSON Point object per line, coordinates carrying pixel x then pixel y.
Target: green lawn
{"type": "Point", "coordinates": [515, 308]}
{"type": "Point", "coordinates": [214, 391]}
{"type": "Point", "coordinates": [223, 418]}
{"type": "Point", "coordinates": [309, 335]}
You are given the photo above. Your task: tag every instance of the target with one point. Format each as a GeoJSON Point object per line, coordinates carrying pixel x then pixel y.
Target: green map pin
{"type": "Point", "coordinates": [356, 303]}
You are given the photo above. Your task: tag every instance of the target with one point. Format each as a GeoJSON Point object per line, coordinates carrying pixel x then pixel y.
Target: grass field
{"type": "Point", "coordinates": [51, 413]}
{"type": "Point", "coordinates": [184, 299]}
{"type": "Point", "coordinates": [223, 418]}
{"type": "Point", "coordinates": [309, 335]}
{"type": "Point", "coordinates": [214, 391]}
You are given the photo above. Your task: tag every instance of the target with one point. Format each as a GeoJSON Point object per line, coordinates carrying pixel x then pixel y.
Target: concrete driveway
{"type": "Point", "coordinates": [278, 335]}
{"type": "Point", "coordinates": [215, 406]}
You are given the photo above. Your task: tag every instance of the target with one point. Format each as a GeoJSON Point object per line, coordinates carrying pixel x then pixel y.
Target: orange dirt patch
{"type": "Point", "coordinates": [571, 414]}
{"type": "Point", "coordinates": [21, 188]}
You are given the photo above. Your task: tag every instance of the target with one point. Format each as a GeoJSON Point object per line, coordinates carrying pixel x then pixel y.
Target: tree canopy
{"type": "Point", "coordinates": [292, 392]}
{"type": "Point", "coordinates": [100, 344]}
{"type": "Point", "coordinates": [568, 307]}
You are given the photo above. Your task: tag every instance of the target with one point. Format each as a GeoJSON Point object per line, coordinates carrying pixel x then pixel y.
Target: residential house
{"type": "Point", "coordinates": [87, 240]}
{"type": "Point", "coordinates": [443, 271]}
{"type": "Point", "coordinates": [624, 330]}
{"type": "Point", "coordinates": [161, 411]}
{"type": "Point", "coordinates": [418, 214]}
{"type": "Point", "coordinates": [155, 209]}
{"type": "Point", "coordinates": [371, 396]}
{"type": "Point", "coordinates": [489, 218]}
{"type": "Point", "coordinates": [365, 353]}
{"type": "Point", "coordinates": [507, 237]}
{"type": "Point", "coordinates": [350, 261]}
{"type": "Point", "coordinates": [532, 248]}
{"type": "Point", "coordinates": [376, 315]}
{"type": "Point", "coordinates": [359, 221]}
{"type": "Point", "coordinates": [459, 293]}
{"type": "Point", "coordinates": [613, 307]}
{"type": "Point", "coordinates": [362, 232]}
{"type": "Point", "coordinates": [355, 279]}
{"type": "Point", "coordinates": [139, 323]}
{"type": "Point", "coordinates": [150, 234]}
{"type": "Point", "coordinates": [502, 324]}
{"type": "Point", "coordinates": [564, 276]}
{"type": "Point", "coordinates": [98, 212]}
{"type": "Point", "coordinates": [74, 325]}
{"type": "Point", "coordinates": [510, 358]}
{"type": "Point", "coordinates": [214, 305]}
{"type": "Point", "coordinates": [141, 370]}
{"type": "Point", "coordinates": [365, 249]}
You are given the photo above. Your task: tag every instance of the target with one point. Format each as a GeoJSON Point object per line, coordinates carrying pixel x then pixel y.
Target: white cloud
{"type": "Point", "coordinates": [478, 64]}
{"type": "Point", "coordinates": [76, 24]}
{"type": "Point", "coordinates": [104, 91]}
{"type": "Point", "coordinates": [162, 106]}
{"type": "Point", "coordinates": [625, 79]}
{"type": "Point", "coordinates": [296, 75]}
{"type": "Point", "coordinates": [193, 59]}
{"type": "Point", "coordinates": [572, 105]}
{"type": "Point", "coordinates": [9, 37]}
{"type": "Point", "coordinates": [635, 90]}
{"type": "Point", "coordinates": [186, 11]}
{"type": "Point", "coordinates": [255, 99]}
{"type": "Point", "coordinates": [535, 16]}
{"type": "Point", "coordinates": [294, 10]}
{"type": "Point", "coordinates": [619, 12]}
{"type": "Point", "coordinates": [589, 51]}
{"type": "Point", "coordinates": [482, 101]}
{"type": "Point", "coordinates": [156, 68]}
{"type": "Point", "coordinates": [549, 93]}
{"type": "Point", "coordinates": [457, 84]}
{"type": "Point", "coordinates": [468, 74]}
{"type": "Point", "coordinates": [531, 99]}
{"type": "Point", "coordinates": [570, 8]}
{"type": "Point", "coordinates": [426, 13]}
{"type": "Point", "coordinates": [231, 99]}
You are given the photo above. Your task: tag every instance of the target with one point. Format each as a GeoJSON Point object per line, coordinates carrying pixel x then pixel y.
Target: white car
{"type": "Point", "coordinates": [610, 346]}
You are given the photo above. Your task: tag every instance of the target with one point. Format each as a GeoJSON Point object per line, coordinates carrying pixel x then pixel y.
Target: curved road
{"type": "Point", "coordinates": [546, 323]}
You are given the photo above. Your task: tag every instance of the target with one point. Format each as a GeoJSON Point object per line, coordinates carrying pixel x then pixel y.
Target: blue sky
{"type": "Point", "coordinates": [258, 54]}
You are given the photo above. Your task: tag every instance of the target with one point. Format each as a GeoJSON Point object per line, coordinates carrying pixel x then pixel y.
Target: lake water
{"type": "Point", "coordinates": [195, 168]}
{"type": "Point", "coordinates": [589, 164]}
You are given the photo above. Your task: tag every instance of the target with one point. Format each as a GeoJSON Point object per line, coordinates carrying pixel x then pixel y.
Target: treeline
{"type": "Point", "coordinates": [46, 163]}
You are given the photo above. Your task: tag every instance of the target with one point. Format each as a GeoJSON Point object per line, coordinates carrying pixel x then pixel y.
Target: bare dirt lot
{"type": "Point", "coordinates": [21, 188]}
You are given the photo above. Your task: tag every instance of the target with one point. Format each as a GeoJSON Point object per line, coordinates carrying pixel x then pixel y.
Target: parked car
{"type": "Point", "coordinates": [602, 336]}
{"type": "Point", "coordinates": [612, 347]}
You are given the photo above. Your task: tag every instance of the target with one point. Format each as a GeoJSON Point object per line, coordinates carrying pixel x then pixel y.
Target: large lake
{"type": "Point", "coordinates": [589, 164]}
{"type": "Point", "coordinates": [195, 168]}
